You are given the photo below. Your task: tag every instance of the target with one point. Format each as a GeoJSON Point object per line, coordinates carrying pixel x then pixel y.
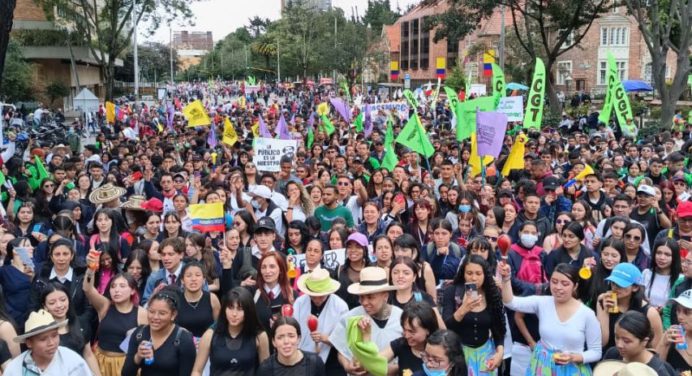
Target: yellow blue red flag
{"type": "Point", "coordinates": [207, 217]}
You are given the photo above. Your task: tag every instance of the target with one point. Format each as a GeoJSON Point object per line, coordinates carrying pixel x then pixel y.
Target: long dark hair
{"type": "Point", "coordinates": [239, 297]}
{"type": "Point", "coordinates": [304, 235]}
{"type": "Point", "coordinates": [423, 313]}
{"type": "Point", "coordinates": [637, 324]}
{"type": "Point", "coordinates": [492, 293]}
{"type": "Point", "coordinates": [675, 265]}
{"type": "Point", "coordinates": [590, 289]}
{"type": "Point", "coordinates": [140, 255]}
{"type": "Point", "coordinates": [480, 242]}
{"type": "Point", "coordinates": [74, 329]}
{"type": "Point", "coordinates": [113, 236]}
{"type": "Point", "coordinates": [453, 349]}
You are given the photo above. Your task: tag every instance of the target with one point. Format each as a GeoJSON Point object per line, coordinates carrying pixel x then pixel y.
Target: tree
{"type": "Point", "coordinates": [6, 17]}
{"type": "Point", "coordinates": [55, 90]}
{"type": "Point", "coordinates": [106, 24]}
{"type": "Point", "coordinates": [258, 26]}
{"type": "Point", "coordinates": [456, 79]}
{"type": "Point", "coordinates": [545, 29]}
{"type": "Point", "coordinates": [378, 14]}
{"type": "Point", "coordinates": [17, 76]}
{"type": "Point", "coordinates": [666, 25]}
{"type": "Point", "coordinates": [154, 63]}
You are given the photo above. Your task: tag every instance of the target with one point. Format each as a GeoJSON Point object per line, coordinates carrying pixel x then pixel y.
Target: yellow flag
{"type": "Point", "coordinates": [241, 102]}
{"type": "Point", "coordinates": [159, 127]}
{"type": "Point", "coordinates": [110, 112]}
{"type": "Point", "coordinates": [515, 160]}
{"type": "Point", "coordinates": [229, 136]}
{"type": "Point", "coordinates": [323, 109]}
{"type": "Point", "coordinates": [255, 130]}
{"type": "Point", "coordinates": [475, 160]}
{"type": "Point", "coordinates": [196, 114]}
{"type": "Point", "coordinates": [588, 170]}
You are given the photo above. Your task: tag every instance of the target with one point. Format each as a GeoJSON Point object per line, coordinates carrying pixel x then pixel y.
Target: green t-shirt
{"type": "Point", "coordinates": [327, 216]}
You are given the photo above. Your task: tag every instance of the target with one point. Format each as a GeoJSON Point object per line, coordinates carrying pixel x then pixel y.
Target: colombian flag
{"type": "Point", "coordinates": [207, 217]}
{"type": "Point", "coordinates": [488, 60]}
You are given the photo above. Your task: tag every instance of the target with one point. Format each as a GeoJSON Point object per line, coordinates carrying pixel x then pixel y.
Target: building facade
{"type": "Point", "coordinates": [582, 68]}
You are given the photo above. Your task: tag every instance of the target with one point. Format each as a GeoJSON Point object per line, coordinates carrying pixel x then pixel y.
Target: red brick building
{"type": "Point", "coordinates": [581, 68]}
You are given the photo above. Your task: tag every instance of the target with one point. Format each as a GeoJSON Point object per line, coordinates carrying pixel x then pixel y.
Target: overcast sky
{"type": "Point", "coordinates": [222, 17]}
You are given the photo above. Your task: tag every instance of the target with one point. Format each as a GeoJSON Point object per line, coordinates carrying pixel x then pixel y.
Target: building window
{"type": "Point", "coordinates": [414, 47]}
{"type": "Point", "coordinates": [603, 69]}
{"type": "Point", "coordinates": [404, 64]}
{"type": "Point", "coordinates": [425, 46]}
{"type": "Point", "coordinates": [414, 64]}
{"type": "Point", "coordinates": [415, 26]}
{"type": "Point", "coordinates": [568, 41]}
{"type": "Point", "coordinates": [424, 61]}
{"type": "Point", "coordinates": [564, 72]}
{"type": "Point", "coordinates": [404, 30]}
{"type": "Point", "coordinates": [648, 73]}
{"type": "Point", "coordinates": [404, 49]}
{"type": "Point", "coordinates": [614, 36]}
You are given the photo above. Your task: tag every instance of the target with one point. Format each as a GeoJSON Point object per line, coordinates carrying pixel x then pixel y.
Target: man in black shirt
{"type": "Point", "coordinates": [648, 213]}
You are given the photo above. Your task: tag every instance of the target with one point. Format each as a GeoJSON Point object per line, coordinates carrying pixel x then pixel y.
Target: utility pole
{"type": "Point", "coordinates": [336, 31]}
{"type": "Point", "coordinates": [136, 53]}
{"type": "Point", "coordinates": [278, 62]}
{"type": "Point", "coordinates": [170, 52]}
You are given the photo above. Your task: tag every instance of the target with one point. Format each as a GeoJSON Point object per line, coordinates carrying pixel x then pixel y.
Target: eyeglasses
{"type": "Point", "coordinates": [633, 237]}
{"type": "Point", "coordinates": [563, 221]}
{"type": "Point", "coordinates": [687, 262]}
{"type": "Point", "coordinates": [432, 362]}
{"type": "Point", "coordinates": [249, 166]}
{"type": "Point", "coordinates": [179, 181]}
{"type": "Point", "coordinates": [344, 183]}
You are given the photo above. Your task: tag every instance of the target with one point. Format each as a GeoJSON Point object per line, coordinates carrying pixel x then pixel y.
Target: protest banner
{"type": "Point", "coordinates": [490, 132]}
{"type": "Point", "coordinates": [268, 153]}
{"type": "Point", "coordinates": [388, 106]}
{"type": "Point", "coordinates": [479, 90]}
{"type": "Point", "coordinates": [251, 89]}
{"type": "Point", "coordinates": [513, 107]}
{"type": "Point", "coordinates": [331, 259]}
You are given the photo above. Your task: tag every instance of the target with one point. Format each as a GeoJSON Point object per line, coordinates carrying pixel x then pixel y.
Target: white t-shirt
{"type": "Point", "coordinates": [656, 293]}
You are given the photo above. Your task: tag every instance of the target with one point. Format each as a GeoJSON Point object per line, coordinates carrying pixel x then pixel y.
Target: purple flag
{"type": "Point", "coordinates": [367, 124]}
{"type": "Point", "coordinates": [490, 132]}
{"type": "Point", "coordinates": [311, 120]}
{"type": "Point", "coordinates": [263, 130]}
{"type": "Point", "coordinates": [169, 118]}
{"type": "Point", "coordinates": [211, 139]}
{"type": "Point", "coordinates": [342, 108]}
{"type": "Point", "coordinates": [282, 129]}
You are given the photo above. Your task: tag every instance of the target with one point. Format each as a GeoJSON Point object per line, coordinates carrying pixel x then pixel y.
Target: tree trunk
{"type": "Point", "coordinates": [6, 17]}
{"type": "Point", "coordinates": [108, 77]}
{"type": "Point", "coordinates": [555, 105]}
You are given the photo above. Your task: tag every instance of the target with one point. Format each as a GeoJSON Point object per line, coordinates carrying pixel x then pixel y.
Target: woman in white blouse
{"type": "Point", "coordinates": [665, 270]}
{"type": "Point", "coordinates": [564, 323]}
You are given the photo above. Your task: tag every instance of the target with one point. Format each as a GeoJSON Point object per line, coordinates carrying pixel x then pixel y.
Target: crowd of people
{"type": "Point", "coordinates": [576, 263]}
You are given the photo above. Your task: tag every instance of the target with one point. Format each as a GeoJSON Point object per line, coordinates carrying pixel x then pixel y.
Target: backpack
{"type": "Point", "coordinates": [531, 268]}
{"type": "Point", "coordinates": [176, 341]}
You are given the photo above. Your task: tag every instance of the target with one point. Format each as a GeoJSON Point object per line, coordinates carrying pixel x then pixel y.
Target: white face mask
{"type": "Point", "coordinates": [255, 204]}
{"type": "Point", "coordinates": [528, 240]}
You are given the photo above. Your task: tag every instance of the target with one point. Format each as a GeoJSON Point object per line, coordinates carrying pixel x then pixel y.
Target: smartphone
{"type": "Point", "coordinates": [472, 289]}
{"type": "Point", "coordinates": [399, 198]}
{"type": "Point", "coordinates": [70, 185]}
{"type": "Point", "coordinates": [36, 228]}
{"type": "Point", "coordinates": [23, 253]}
{"type": "Point", "coordinates": [137, 176]}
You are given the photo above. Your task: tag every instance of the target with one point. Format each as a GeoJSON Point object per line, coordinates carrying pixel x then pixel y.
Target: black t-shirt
{"type": "Point", "coordinates": [5, 355]}
{"type": "Point", "coordinates": [677, 361]}
{"type": "Point", "coordinates": [407, 361]}
{"type": "Point", "coordinates": [662, 368]}
{"type": "Point", "coordinates": [310, 365]}
{"type": "Point", "coordinates": [650, 222]}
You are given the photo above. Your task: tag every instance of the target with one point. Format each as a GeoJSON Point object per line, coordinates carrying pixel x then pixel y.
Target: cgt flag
{"type": "Point", "coordinates": [413, 136]}
{"type": "Point", "coordinates": [619, 101]}
{"type": "Point", "coordinates": [207, 217]}
{"type": "Point", "coordinates": [534, 107]}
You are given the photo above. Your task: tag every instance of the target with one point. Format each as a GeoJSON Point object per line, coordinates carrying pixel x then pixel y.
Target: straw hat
{"type": "Point", "coordinates": [619, 368]}
{"type": "Point", "coordinates": [39, 322]}
{"type": "Point", "coordinates": [317, 283]}
{"type": "Point", "coordinates": [373, 279]}
{"type": "Point", "coordinates": [134, 203]}
{"type": "Point", "coordinates": [106, 193]}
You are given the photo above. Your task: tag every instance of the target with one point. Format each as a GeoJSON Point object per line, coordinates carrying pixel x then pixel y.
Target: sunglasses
{"type": "Point", "coordinates": [179, 180]}
{"type": "Point", "coordinates": [633, 237]}
{"type": "Point", "coordinates": [343, 183]}
{"type": "Point", "coordinates": [562, 221]}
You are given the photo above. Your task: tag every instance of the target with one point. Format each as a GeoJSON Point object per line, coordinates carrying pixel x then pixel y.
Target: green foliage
{"type": "Point", "coordinates": [378, 14]}
{"type": "Point", "coordinates": [56, 90]}
{"type": "Point", "coordinates": [154, 62]}
{"type": "Point", "coordinates": [456, 79]}
{"type": "Point", "coordinates": [39, 38]}
{"type": "Point", "coordinates": [16, 78]}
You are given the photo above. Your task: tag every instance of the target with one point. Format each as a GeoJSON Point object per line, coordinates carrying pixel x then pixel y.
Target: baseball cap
{"type": "Point", "coordinates": [504, 193]}
{"type": "Point", "coordinates": [684, 299]}
{"type": "Point", "coordinates": [265, 223]}
{"type": "Point", "coordinates": [551, 183]}
{"type": "Point", "coordinates": [684, 209]}
{"type": "Point", "coordinates": [647, 190]}
{"type": "Point", "coordinates": [625, 275]}
{"type": "Point", "coordinates": [359, 238]}
{"type": "Point", "coordinates": [261, 191]}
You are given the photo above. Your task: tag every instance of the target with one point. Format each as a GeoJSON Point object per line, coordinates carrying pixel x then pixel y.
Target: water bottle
{"type": "Point", "coordinates": [682, 345]}
{"type": "Point", "coordinates": [149, 361]}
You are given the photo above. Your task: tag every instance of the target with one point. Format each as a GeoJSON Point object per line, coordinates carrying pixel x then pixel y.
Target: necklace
{"type": "Point", "coordinates": [194, 304]}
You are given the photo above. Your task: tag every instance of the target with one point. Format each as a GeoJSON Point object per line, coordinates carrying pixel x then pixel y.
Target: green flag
{"type": "Point", "coordinates": [359, 122]}
{"type": "Point", "coordinates": [413, 136]}
{"type": "Point", "coordinates": [41, 168]}
{"type": "Point", "coordinates": [411, 99]}
{"type": "Point", "coordinates": [604, 115]}
{"type": "Point", "coordinates": [390, 160]}
{"type": "Point", "coordinates": [466, 115]}
{"type": "Point", "coordinates": [311, 138]}
{"type": "Point", "coordinates": [498, 81]}
{"type": "Point", "coordinates": [347, 92]}
{"type": "Point", "coordinates": [468, 85]}
{"type": "Point", "coordinates": [452, 97]}
{"type": "Point", "coordinates": [534, 106]}
{"type": "Point", "coordinates": [620, 102]}
{"type": "Point", "coordinates": [327, 124]}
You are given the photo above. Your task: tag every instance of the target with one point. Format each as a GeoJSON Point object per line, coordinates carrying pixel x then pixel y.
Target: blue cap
{"type": "Point", "coordinates": [625, 275]}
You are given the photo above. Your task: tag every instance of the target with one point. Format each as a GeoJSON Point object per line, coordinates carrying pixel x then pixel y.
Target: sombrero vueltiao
{"type": "Point", "coordinates": [106, 193]}
{"type": "Point", "coordinates": [134, 203]}
{"type": "Point", "coordinates": [39, 322]}
{"type": "Point", "coordinates": [373, 279]}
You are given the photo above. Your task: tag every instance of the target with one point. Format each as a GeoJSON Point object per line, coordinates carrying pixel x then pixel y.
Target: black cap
{"type": "Point", "coordinates": [265, 223]}
{"type": "Point", "coordinates": [504, 193]}
{"type": "Point", "coordinates": [551, 183]}
{"type": "Point", "coordinates": [91, 148]}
